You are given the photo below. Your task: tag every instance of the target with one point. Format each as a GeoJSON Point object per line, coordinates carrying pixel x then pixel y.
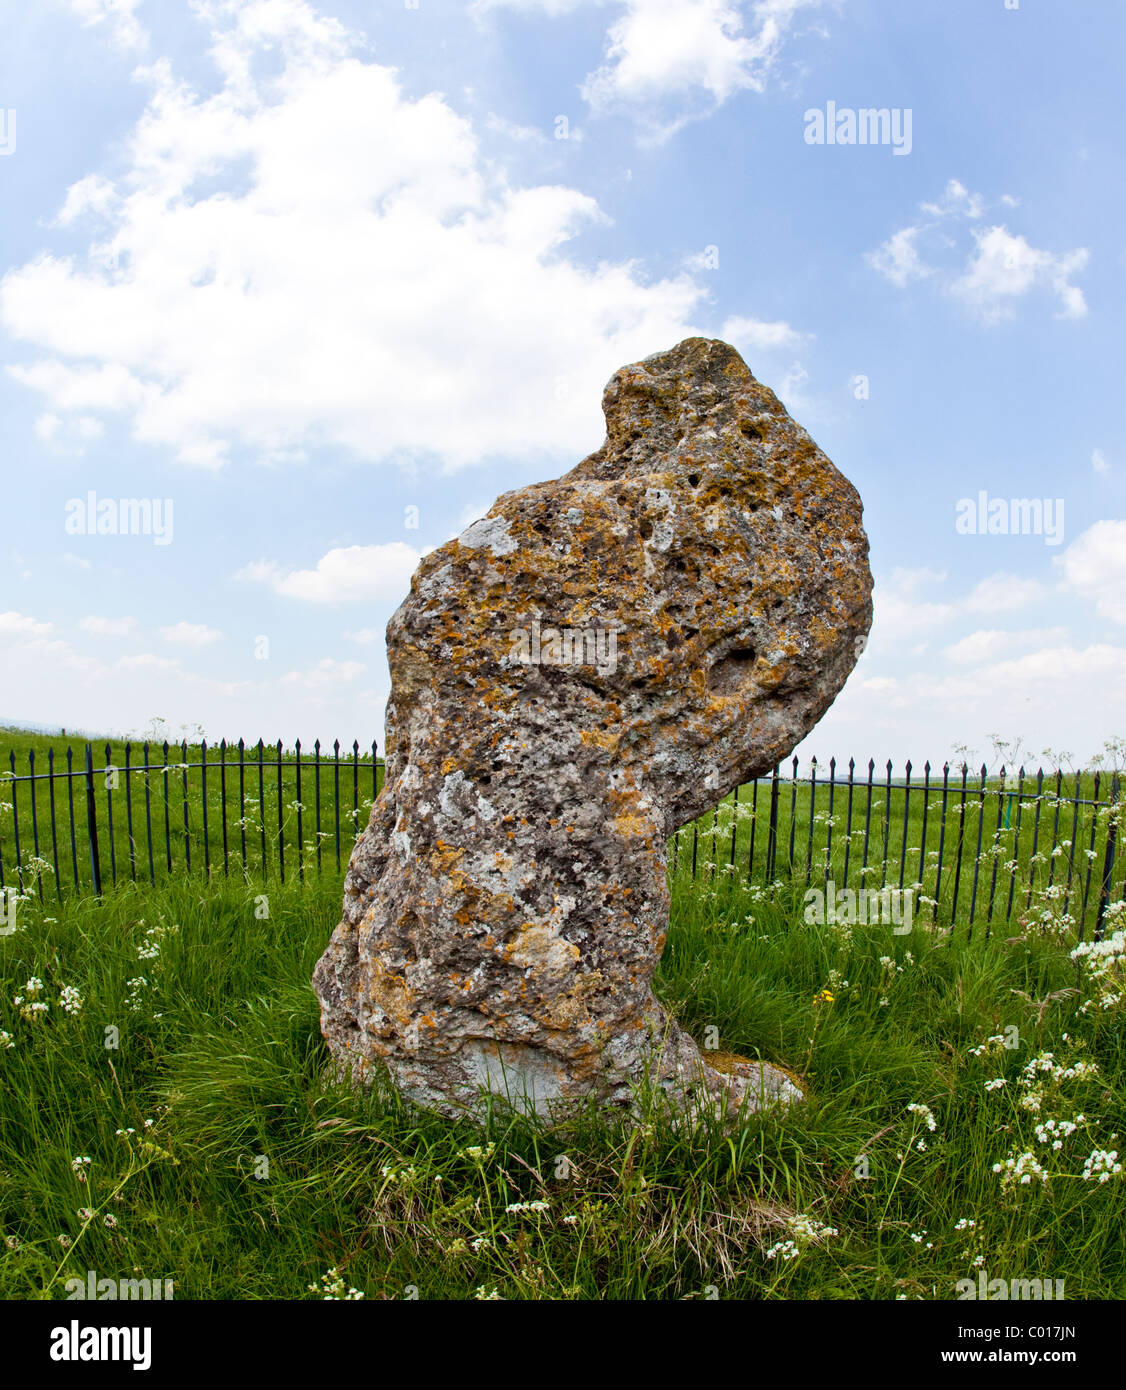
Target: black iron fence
{"type": "Point", "coordinates": [137, 813]}
{"type": "Point", "coordinates": [972, 848]}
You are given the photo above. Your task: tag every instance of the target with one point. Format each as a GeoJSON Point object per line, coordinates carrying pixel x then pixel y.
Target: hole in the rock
{"type": "Point", "coordinates": [646, 529]}
{"type": "Point", "coordinates": [748, 431]}
{"type": "Point", "coordinates": [638, 682]}
{"type": "Point", "coordinates": [693, 480]}
{"type": "Point", "coordinates": [496, 767]}
{"type": "Point", "coordinates": [673, 640]}
{"type": "Point", "coordinates": [731, 673]}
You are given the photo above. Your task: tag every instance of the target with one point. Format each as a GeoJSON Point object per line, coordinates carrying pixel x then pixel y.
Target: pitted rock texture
{"type": "Point", "coordinates": [507, 905]}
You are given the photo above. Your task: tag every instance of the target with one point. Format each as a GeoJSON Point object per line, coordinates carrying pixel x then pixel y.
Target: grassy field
{"type": "Point", "coordinates": [206, 1146]}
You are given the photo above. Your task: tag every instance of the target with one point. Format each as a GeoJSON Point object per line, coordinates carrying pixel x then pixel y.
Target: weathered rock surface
{"type": "Point", "coordinates": [507, 905]}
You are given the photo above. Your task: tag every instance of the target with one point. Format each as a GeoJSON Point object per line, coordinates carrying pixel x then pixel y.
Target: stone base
{"type": "Point", "coordinates": [726, 1088]}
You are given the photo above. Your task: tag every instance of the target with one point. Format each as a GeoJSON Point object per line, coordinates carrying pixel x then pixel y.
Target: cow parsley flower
{"type": "Point", "coordinates": [70, 999]}
{"type": "Point", "coordinates": [784, 1248]}
{"type": "Point", "coordinates": [1102, 1164]}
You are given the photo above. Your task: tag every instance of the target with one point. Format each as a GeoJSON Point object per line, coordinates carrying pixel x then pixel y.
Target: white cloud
{"type": "Point", "coordinates": [68, 436]}
{"type": "Point", "coordinates": [1099, 461]}
{"type": "Point", "coordinates": [898, 618]}
{"type": "Point", "coordinates": [107, 627]}
{"type": "Point", "coordinates": [1059, 668]}
{"type": "Point", "coordinates": [75, 388]}
{"type": "Point", "coordinates": [920, 713]}
{"type": "Point", "coordinates": [910, 581]}
{"type": "Point", "coordinates": [663, 57]}
{"type": "Point", "coordinates": [904, 607]}
{"type": "Point", "coordinates": [344, 575]}
{"type": "Point", "coordinates": [1000, 269]}
{"type": "Point", "coordinates": [93, 194]}
{"type": "Point", "coordinates": [14, 624]}
{"type": "Point", "coordinates": [308, 233]}
{"type": "Point", "coordinates": [47, 681]}
{"type": "Point", "coordinates": [1004, 267]}
{"type": "Point", "coordinates": [1094, 567]}
{"type": "Point", "coordinates": [1004, 593]}
{"type": "Point", "coordinates": [990, 644]}
{"type": "Point", "coordinates": [548, 7]}
{"type": "Point", "coordinates": [364, 636]}
{"type": "Point", "coordinates": [190, 634]}
{"type": "Point", "coordinates": [118, 16]}
{"type": "Point", "coordinates": [899, 613]}
{"type": "Point", "coordinates": [326, 673]}
{"type": "Point", "coordinates": [958, 201]}
{"type": "Point", "coordinates": [756, 335]}
{"type": "Point", "coordinates": [1003, 691]}
{"type": "Point", "coordinates": [524, 134]}
{"type": "Point", "coordinates": [898, 260]}
{"type": "Point", "coordinates": [27, 648]}
{"type": "Point", "coordinates": [147, 661]}
{"type": "Point", "coordinates": [672, 61]}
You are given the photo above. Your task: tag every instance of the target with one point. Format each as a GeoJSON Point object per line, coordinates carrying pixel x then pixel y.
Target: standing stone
{"type": "Point", "coordinates": [597, 662]}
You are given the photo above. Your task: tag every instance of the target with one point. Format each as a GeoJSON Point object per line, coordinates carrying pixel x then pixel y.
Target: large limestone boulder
{"type": "Point", "coordinates": [598, 661]}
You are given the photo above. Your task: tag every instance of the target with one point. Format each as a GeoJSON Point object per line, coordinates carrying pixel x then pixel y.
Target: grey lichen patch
{"type": "Point", "coordinates": [491, 532]}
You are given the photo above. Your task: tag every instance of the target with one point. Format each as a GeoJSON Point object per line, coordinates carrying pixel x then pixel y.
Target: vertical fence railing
{"type": "Point", "coordinates": [1108, 862]}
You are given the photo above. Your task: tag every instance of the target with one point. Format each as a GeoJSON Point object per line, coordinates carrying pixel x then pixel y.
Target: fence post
{"type": "Point", "coordinates": [1108, 862]}
{"type": "Point", "coordinates": [772, 834]}
{"type": "Point", "coordinates": [92, 823]}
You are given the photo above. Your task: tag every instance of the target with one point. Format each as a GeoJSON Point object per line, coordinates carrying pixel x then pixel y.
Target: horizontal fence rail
{"type": "Point", "coordinates": [972, 847]}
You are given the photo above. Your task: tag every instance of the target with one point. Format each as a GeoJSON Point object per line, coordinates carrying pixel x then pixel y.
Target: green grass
{"type": "Point", "coordinates": [221, 1050]}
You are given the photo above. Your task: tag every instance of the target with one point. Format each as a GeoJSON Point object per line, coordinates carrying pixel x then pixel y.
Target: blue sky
{"type": "Point", "coordinates": [331, 277]}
